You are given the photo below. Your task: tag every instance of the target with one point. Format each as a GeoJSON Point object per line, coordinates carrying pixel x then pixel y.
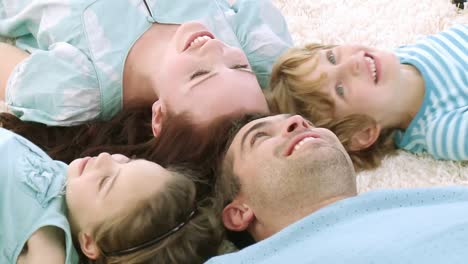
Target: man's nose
{"type": "Point", "coordinates": [294, 124]}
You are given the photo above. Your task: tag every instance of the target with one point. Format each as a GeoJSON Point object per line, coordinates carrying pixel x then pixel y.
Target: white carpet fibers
{"type": "Point", "coordinates": [385, 24]}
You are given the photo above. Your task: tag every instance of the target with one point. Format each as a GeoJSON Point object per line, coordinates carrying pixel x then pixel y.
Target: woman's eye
{"type": "Point", "coordinates": [198, 74]}
{"type": "Point", "coordinates": [257, 136]}
{"type": "Point", "coordinates": [331, 57]}
{"type": "Point", "coordinates": [340, 90]}
{"type": "Point", "coordinates": [240, 66]}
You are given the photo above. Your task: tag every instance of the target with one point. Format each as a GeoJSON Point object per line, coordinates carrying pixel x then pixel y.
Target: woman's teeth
{"type": "Point", "coordinates": [199, 40]}
{"type": "Point", "coordinates": [371, 64]}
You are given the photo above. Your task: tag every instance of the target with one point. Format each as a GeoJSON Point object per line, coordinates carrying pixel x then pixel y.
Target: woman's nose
{"type": "Point", "coordinates": [213, 47]}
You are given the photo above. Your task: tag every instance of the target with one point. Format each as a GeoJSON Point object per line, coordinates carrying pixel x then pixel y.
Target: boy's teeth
{"type": "Point", "coordinates": [371, 62]}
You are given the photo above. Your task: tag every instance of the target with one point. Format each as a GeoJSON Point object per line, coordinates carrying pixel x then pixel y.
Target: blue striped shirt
{"type": "Point", "coordinates": [441, 125]}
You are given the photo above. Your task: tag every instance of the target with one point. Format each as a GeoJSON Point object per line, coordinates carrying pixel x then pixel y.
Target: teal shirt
{"type": "Point", "coordinates": [427, 226]}
{"type": "Point", "coordinates": [78, 48]}
{"type": "Point", "coordinates": [30, 185]}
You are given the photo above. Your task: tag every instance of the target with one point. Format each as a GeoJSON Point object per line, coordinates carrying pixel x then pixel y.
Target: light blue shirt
{"type": "Point", "coordinates": [390, 226]}
{"type": "Point", "coordinates": [441, 125]}
{"type": "Point", "coordinates": [78, 48]}
{"type": "Point", "coordinates": [30, 185]}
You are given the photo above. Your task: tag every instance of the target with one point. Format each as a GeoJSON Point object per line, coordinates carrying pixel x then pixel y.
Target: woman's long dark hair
{"type": "Point", "coordinates": [181, 142]}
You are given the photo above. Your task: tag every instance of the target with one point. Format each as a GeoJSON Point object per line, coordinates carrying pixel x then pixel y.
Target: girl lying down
{"type": "Point", "coordinates": [104, 209]}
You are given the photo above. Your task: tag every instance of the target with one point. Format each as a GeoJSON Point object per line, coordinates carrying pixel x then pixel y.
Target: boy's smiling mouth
{"type": "Point", "coordinates": [372, 65]}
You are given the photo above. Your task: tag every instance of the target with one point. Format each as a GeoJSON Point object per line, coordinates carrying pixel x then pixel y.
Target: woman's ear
{"type": "Point", "coordinates": [365, 137]}
{"type": "Point", "coordinates": [237, 217]}
{"type": "Point", "coordinates": [158, 112]}
{"type": "Point", "coordinates": [88, 245]}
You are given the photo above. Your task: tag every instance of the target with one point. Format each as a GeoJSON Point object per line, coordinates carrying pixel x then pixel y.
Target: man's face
{"type": "Point", "coordinates": [282, 161]}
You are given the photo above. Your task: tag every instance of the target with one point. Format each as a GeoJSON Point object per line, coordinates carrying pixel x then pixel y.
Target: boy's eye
{"type": "Point", "coordinates": [198, 74]}
{"type": "Point", "coordinates": [331, 57]}
{"type": "Point", "coordinates": [340, 90]}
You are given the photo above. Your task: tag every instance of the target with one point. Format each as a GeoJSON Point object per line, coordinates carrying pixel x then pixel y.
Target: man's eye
{"type": "Point", "coordinates": [198, 74]}
{"type": "Point", "coordinates": [257, 136]}
{"type": "Point", "coordinates": [331, 57]}
{"type": "Point", "coordinates": [103, 181]}
{"type": "Point", "coordinates": [340, 90]}
{"type": "Point", "coordinates": [240, 66]}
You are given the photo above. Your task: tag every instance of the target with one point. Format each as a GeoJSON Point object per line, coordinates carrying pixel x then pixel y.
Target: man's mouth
{"type": "Point", "coordinates": [299, 141]}
{"type": "Point", "coordinates": [371, 63]}
{"type": "Point", "coordinates": [198, 39]}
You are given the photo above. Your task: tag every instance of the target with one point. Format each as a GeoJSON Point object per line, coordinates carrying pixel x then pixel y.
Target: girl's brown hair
{"type": "Point", "coordinates": [181, 144]}
{"type": "Point", "coordinates": [291, 92]}
{"type": "Point", "coordinates": [197, 239]}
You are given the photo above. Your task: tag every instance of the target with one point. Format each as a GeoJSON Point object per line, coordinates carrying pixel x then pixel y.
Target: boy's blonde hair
{"type": "Point", "coordinates": [291, 92]}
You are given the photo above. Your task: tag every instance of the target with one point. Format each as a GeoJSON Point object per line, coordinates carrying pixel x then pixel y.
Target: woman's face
{"type": "Point", "coordinates": [203, 76]}
{"type": "Point", "coordinates": [101, 188]}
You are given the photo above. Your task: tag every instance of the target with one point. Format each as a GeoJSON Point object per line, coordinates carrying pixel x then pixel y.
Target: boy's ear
{"type": "Point", "coordinates": [88, 245]}
{"type": "Point", "coordinates": [158, 113]}
{"type": "Point", "coordinates": [237, 216]}
{"type": "Point", "coordinates": [365, 137]}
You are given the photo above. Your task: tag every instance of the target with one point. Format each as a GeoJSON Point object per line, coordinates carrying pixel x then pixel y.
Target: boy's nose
{"type": "Point", "coordinates": [354, 63]}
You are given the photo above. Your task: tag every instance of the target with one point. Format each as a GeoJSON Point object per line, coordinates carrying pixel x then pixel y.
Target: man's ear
{"type": "Point", "coordinates": [237, 216]}
{"type": "Point", "coordinates": [365, 137]}
{"type": "Point", "coordinates": [88, 245]}
{"type": "Point", "coordinates": [158, 113]}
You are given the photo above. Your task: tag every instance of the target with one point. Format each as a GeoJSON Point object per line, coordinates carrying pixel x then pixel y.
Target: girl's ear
{"type": "Point", "coordinates": [88, 246]}
{"type": "Point", "coordinates": [157, 118]}
{"type": "Point", "coordinates": [365, 137]}
{"type": "Point", "coordinates": [237, 217]}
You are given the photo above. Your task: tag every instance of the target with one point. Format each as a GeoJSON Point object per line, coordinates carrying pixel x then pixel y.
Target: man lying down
{"type": "Point", "coordinates": [292, 187]}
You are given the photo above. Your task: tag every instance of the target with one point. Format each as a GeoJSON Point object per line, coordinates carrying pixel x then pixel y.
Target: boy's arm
{"type": "Point", "coordinates": [10, 56]}
{"type": "Point", "coordinates": [447, 137]}
{"type": "Point", "coordinates": [46, 245]}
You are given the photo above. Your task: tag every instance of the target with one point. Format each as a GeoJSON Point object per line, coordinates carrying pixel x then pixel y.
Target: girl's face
{"type": "Point", "coordinates": [360, 80]}
{"type": "Point", "coordinates": [104, 187]}
{"type": "Point", "coordinates": [201, 75]}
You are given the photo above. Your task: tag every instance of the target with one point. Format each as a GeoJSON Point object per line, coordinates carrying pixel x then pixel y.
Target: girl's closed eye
{"type": "Point", "coordinates": [256, 136]}
{"type": "Point", "coordinates": [103, 181]}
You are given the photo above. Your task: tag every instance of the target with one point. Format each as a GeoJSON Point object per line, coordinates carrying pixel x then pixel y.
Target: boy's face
{"type": "Point", "coordinates": [360, 80]}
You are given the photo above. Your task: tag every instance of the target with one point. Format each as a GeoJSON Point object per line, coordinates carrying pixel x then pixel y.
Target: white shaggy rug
{"type": "Point", "coordinates": [385, 24]}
